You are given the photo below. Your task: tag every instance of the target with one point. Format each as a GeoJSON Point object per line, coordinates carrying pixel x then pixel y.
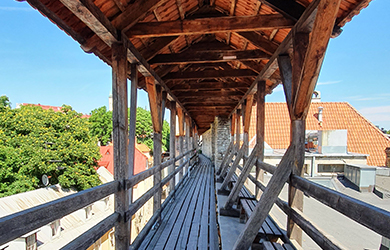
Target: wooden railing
{"type": "Point", "coordinates": [23, 222]}
{"type": "Point", "coordinates": [363, 213]}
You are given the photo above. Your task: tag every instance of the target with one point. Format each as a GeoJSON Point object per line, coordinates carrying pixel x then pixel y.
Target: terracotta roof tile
{"type": "Point", "coordinates": [363, 136]}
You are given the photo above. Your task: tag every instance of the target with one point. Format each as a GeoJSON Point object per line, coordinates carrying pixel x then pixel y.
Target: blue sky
{"type": "Point", "coordinates": [39, 63]}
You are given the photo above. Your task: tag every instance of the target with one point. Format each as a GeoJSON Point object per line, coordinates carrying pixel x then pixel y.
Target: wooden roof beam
{"type": "Point", "coordinates": [259, 41]}
{"type": "Point", "coordinates": [288, 8]}
{"type": "Point", "coordinates": [208, 56]}
{"type": "Point", "coordinates": [208, 93]}
{"type": "Point", "coordinates": [158, 45]}
{"type": "Point", "coordinates": [91, 15]}
{"type": "Point", "coordinates": [208, 86]}
{"type": "Point", "coordinates": [135, 12]}
{"type": "Point", "coordinates": [210, 74]}
{"type": "Point", "coordinates": [304, 24]}
{"type": "Point", "coordinates": [209, 25]}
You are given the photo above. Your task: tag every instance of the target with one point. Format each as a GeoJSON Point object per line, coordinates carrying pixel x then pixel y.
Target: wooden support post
{"type": "Point", "coordinates": [295, 196]}
{"type": "Point", "coordinates": [132, 122]}
{"type": "Point", "coordinates": [120, 133]}
{"type": "Point", "coordinates": [155, 102]}
{"type": "Point", "coordinates": [172, 143]}
{"type": "Point", "coordinates": [238, 128]}
{"type": "Point", "coordinates": [187, 140]}
{"type": "Point", "coordinates": [247, 121]}
{"type": "Point", "coordinates": [260, 129]}
{"type": "Point", "coordinates": [180, 116]}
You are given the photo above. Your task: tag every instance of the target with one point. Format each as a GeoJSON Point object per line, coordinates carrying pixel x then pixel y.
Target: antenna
{"type": "Point", "coordinates": [45, 180]}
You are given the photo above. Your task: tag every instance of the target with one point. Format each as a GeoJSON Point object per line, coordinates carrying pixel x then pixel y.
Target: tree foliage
{"type": "Point", "coordinates": [4, 102]}
{"type": "Point", "coordinates": [144, 129]}
{"type": "Point", "coordinates": [34, 142]}
{"type": "Point", "coordinates": [101, 124]}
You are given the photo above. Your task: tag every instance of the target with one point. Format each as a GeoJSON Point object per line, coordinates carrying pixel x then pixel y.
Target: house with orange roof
{"type": "Point", "coordinates": [363, 142]}
{"type": "Point", "coordinates": [107, 160]}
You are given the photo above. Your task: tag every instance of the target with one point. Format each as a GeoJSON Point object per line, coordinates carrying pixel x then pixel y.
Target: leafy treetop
{"type": "Point", "coordinates": [34, 142]}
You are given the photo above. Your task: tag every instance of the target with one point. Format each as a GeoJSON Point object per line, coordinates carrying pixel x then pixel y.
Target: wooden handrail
{"type": "Point", "coordinates": [23, 222]}
{"type": "Point", "coordinates": [153, 170]}
{"type": "Point", "coordinates": [370, 216]}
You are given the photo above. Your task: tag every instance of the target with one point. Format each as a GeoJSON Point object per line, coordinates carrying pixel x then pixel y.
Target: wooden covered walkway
{"type": "Point", "coordinates": [189, 221]}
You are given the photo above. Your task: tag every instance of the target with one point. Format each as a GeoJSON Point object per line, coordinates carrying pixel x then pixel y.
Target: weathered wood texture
{"type": "Point", "coordinates": [120, 137]}
{"type": "Point", "coordinates": [209, 25]}
{"type": "Point", "coordinates": [295, 197]}
{"type": "Point", "coordinates": [172, 143]}
{"type": "Point", "coordinates": [260, 127]}
{"type": "Point", "coordinates": [210, 74]}
{"type": "Point", "coordinates": [23, 222]}
{"type": "Point", "coordinates": [208, 56]}
{"type": "Point", "coordinates": [232, 170]}
{"type": "Point", "coordinates": [190, 221]}
{"type": "Point", "coordinates": [266, 201]}
{"type": "Point", "coordinates": [319, 38]}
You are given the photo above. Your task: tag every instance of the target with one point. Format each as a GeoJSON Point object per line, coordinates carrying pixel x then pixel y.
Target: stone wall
{"type": "Point", "coordinates": [216, 140]}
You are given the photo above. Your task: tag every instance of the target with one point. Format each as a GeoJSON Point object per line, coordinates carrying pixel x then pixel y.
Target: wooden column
{"type": "Point", "coordinates": [180, 116]}
{"type": "Point", "coordinates": [260, 128]}
{"type": "Point", "coordinates": [155, 102]}
{"type": "Point", "coordinates": [187, 140]}
{"type": "Point", "coordinates": [247, 121]}
{"type": "Point", "coordinates": [238, 128]}
{"type": "Point", "coordinates": [132, 122]}
{"type": "Point", "coordinates": [232, 127]}
{"type": "Point", "coordinates": [172, 143]}
{"type": "Point", "coordinates": [295, 196]}
{"type": "Point", "coordinates": [120, 137]}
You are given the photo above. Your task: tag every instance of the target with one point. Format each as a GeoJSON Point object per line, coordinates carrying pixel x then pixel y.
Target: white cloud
{"type": "Point", "coordinates": [376, 110]}
{"type": "Point", "coordinates": [328, 82]}
{"type": "Point", "coordinates": [278, 88]}
{"type": "Point", "coordinates": [15, 8]}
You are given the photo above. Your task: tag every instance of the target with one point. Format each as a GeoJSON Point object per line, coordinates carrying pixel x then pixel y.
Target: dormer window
{"type": "Point", "coordinates": [31, 242]}
{"type": "Point", "coordinates": [55, 228]}
{"type": "Point", "coordinates": [88, 212]}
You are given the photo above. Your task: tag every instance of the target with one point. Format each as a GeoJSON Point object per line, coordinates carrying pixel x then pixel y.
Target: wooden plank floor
{"type": "Point", "coordinates": [189, 222]}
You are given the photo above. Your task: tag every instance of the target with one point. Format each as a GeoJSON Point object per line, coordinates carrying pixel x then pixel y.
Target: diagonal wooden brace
{"type": "Point", "coordinates": [267, 200]}
{"type": "Point", "coordinates": [233, 168]}
{"type": "Point", "coordinates": [243, 176]}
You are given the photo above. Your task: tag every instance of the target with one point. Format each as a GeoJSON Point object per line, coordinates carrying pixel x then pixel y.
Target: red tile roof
{"type": "Point", "coordinates": [107, 159]}
{"type": "Point", "coordinates": [363, 136]}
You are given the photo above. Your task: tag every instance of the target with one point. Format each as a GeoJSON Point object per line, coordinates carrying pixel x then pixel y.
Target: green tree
{"type": "Point", "coordinates": [144, 129]}
{"type": "Point", "coordinates": [101, 124]}
{"type": "Point", "coordinates": [34, 142]}
{"type": "Point", "coordinates": [4, 102]}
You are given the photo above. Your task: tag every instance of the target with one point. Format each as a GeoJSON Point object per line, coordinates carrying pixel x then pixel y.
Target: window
{"type": "Point", "coordinates": [88, 212]}
{"type": "Point", "coordinates": [31, 242]}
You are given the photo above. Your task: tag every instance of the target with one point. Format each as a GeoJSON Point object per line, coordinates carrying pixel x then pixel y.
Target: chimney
{"type": "Point", "coordinates": [320, 109]}
{"type": "Point", "coordinates": [316, 96]}
{"type": "Point", "coordinates": [387, 150]}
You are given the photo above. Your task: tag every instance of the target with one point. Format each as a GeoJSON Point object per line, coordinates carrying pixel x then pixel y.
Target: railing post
{"type": "Point", "coordinates": [120, 132]}
{"type": "Point", "coordinates": [180, 116]}
{"type": "Point", "coordinates": [132, 122]}
{"type": "Point", "coordinates": [156, 109]}
{"type": "Point", "coordinates": [295, 196]}
{"type": "Point", "coordinates": [172, 144]}
{"type": "Point", "coordinates": [260, 129]}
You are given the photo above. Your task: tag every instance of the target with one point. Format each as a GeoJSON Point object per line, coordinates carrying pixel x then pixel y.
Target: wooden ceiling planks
{"type": "Point", "coordinates": [203, 74]}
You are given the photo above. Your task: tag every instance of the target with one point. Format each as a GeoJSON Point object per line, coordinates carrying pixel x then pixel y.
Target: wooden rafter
{"type": "Point", "coordinates": [158, 45]}
{"type": "Point", "coordinates": [135, 12]}
{"type": "Point", "coordinates": [305, 23]}
{"type": "Point", "coordinates": [210, 74]}
{"type": "Point", "coordinates": [289, 8]}
{"type": "Point", "coordinates": [209, 56]}
{"type": "Point", "coordinates": [209, 93]}
{"type": "Point", "coordinates": [208, 85]}
{"type": "Point", "coordinates": [209, 25]}
{"type": "Point", "coordinates": [259, 41]}
{"type": "Point", "coordinates": [319, 39]}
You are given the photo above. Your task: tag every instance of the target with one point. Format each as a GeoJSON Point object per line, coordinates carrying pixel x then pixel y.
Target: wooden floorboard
{"type": "Point", "coordinates": [189, 222]}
